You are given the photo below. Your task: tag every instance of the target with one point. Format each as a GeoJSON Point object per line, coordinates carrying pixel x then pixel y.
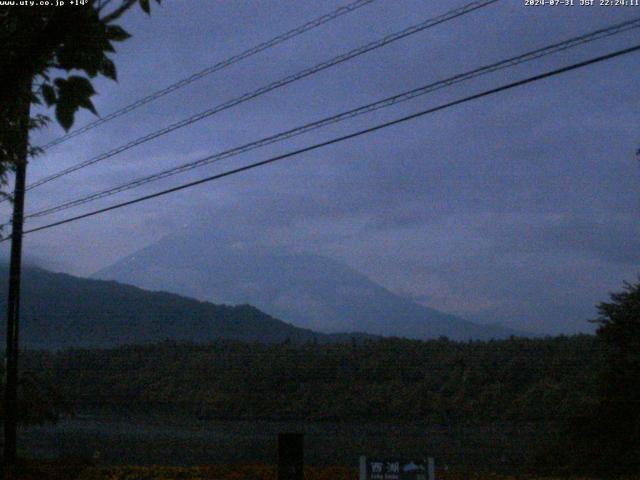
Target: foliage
{"type": "Point", "coordinates": [604, 437]}
{"type": "Point", "coordinates": [616, 421]}
{"type": "Point", "coordinates": [619, 329]}
{"type": "Point", "coordinates": [43, 49]}
{"type": "Point", "coordinates": [38, 400]}
{"type": "Point", "coordinates": [436, 381]}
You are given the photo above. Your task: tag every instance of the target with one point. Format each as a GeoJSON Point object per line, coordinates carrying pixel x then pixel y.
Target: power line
{"type": "Point", "coordinates": [342, 138]}
{"type": "Point", "coordinates": [402, 97]}
{"type": "Point", "coordinates": [273, 86]}
{"type": "Point", "coordinates": [310, 25]}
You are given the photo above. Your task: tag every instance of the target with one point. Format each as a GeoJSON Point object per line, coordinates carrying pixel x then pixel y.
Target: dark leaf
{"type": "Point", "coordinates": [108, 69]}
{"type": "Point", "coordinates": [82, 48]}
{"type": "Point", "coordinates": [80, 85]}
{"type": "Point", "coordinates": [107, 47]}
{"type": "Point", "coordinates": [34, 151]}
{"type": "Point", "coordinates": [116, 33]}
{"type": "Point", "coordinates": [117, 13]}
{"type": "Point", "coordinates": [64, 114]}
{"type": "Point", "coordinates": [73, 93]}
{"type": "Point", "coordinates": [38, 121]}
{"type": "Point", "coordinates": [144, 5]}
{"type": "Point", "coordinates": [91, 64]}
{"type": "Point", "coordinates": [49, 94]}
{"type": "Point", "coordinates": [88, 104]}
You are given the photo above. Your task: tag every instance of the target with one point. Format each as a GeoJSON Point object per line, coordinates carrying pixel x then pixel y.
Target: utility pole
{"type": "Point", "coordinates": [23, 104]}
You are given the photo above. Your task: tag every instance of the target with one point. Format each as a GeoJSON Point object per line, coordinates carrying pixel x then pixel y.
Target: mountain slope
{"type": "Point", "coordinates": [308, 291]}
{"type": "Point", "coordinates": [60, 311]}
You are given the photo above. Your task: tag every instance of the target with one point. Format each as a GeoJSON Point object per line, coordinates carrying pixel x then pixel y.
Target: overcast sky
{"type": "Point", "coordinates": [520, 208]}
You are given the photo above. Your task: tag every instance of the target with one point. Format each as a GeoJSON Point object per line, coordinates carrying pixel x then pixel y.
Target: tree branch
{"type": "Point", "coordinates": [117, 13]}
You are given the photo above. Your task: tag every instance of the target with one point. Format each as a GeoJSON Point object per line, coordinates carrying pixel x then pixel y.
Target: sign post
{"type": "Point", "coordinates": [290, 456]}
{"type": "Point", "coordinates": [363, 468]}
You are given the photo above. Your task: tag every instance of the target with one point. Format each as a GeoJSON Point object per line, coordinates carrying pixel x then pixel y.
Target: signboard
{"type": "Point", "coordinates": [395, 469]}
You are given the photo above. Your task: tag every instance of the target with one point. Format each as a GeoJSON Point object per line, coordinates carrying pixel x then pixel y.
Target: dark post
{"type": "Point", "coordinates": [290, 456]}
{"type": "Point", "coordinates": [13, 304]}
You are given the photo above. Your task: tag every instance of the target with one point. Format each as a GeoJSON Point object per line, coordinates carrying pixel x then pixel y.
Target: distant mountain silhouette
{"type": "Point", "coordinates": [309, 291]}
{"type": "Point", "coordinates": [62, 311]}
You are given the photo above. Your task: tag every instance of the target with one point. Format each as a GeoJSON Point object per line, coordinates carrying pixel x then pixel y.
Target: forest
{"type": "Point", "coordinates": [437, 381]}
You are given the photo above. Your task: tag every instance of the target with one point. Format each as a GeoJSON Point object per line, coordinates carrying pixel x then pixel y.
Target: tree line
{"type": "Point", "coordinates": [389, 379]}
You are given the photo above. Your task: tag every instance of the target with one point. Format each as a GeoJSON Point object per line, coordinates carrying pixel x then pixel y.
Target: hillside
{"type": "Point", "coordinates": [60, 311]}
{"type": "Point", "coordinates": [306, 290]}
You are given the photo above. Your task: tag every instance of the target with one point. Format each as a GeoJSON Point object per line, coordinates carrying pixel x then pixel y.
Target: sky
{"type": "Point", "coordinates": [520, 208]}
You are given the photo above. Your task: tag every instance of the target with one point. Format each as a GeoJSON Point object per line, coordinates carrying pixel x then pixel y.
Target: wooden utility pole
{"type": "Point", "coordinates": [23, 108]}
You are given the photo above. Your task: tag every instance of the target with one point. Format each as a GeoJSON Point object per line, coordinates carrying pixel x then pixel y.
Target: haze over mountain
{"type": "Point", "coordinates": [306, 290]}
{"type": "Point", "coordinates": [63, 311]}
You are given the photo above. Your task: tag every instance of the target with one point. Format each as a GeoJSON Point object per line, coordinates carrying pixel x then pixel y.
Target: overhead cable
{"type": "Point", "coordinates": [310, 25]}
{"type": "Point", "coordinates": [271, 86]}
{"type": "Point", "coordinates": [333, 141]}
{"type": "Point", "coordinates": [387, 102]}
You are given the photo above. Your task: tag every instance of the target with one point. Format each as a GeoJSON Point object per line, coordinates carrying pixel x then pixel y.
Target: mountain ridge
{"type": "Point", "coordinates": [304, 289]}
{"type": "Point", "coordinates": [63, 311]}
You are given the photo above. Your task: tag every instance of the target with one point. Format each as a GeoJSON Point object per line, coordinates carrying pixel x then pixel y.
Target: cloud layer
{"type": "Point", "coordinates": [520, 208]}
